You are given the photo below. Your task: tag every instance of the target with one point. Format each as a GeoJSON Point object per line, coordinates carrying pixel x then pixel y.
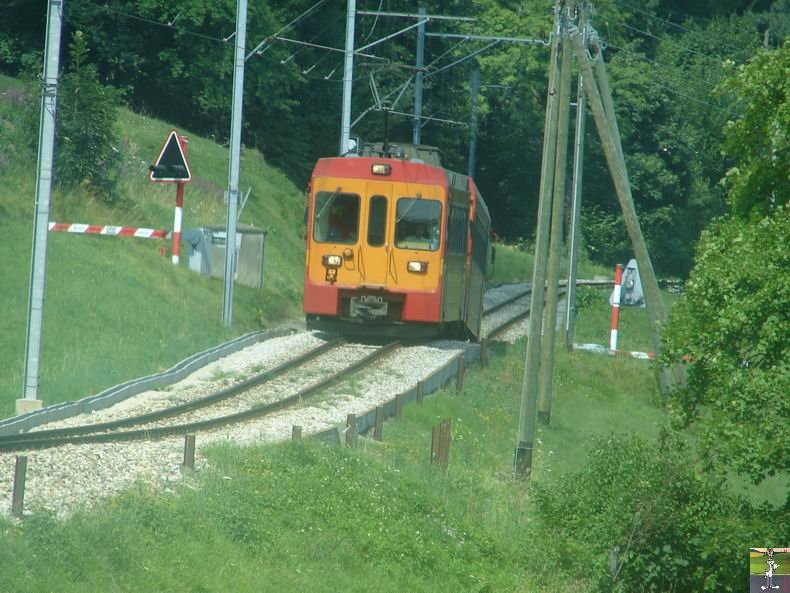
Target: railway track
{"type": "Point", "coordinates": [153, 425]}
{"type": "Point", "coordinates": [108, 432]}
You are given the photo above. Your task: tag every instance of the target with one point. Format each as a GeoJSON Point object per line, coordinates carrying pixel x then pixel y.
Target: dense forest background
{"type": "Point", "coordinates": [666, 61]}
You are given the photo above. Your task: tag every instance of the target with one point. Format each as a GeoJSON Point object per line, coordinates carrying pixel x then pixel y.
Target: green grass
{"type": "Point", "coordinates": [312, 517]}
{"type": "Point", "coordinates": [114, 308]}
{"type": "Point", "coordinates": [381, 518]}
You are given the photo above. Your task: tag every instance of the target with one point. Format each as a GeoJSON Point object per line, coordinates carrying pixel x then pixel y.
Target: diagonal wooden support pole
{"type": "Point", "coordinates": [610, 141]}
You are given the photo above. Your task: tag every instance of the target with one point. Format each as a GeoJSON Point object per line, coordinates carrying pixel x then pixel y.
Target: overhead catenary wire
{"type": "Point", "coordinates": [328, 48]}
{"type": "Point", "coordinates": [656, 37]}
{"type": "Point", "coordinates": [473, 54]}
{"type": "Point", "coordinates": [375, 22]}
{"type": "Point", "coordinates": [312, 39]}
{"type": "Point", "coordinates": [169, 25]}
{"type": "Point", "coordinates": [668, 22]}
{"type": "Point", "coordinates": [259, 49]}
{"type": "Point", "coordinates": [664, 68]}
{"type": "Point", "coordinates": [665, 81]}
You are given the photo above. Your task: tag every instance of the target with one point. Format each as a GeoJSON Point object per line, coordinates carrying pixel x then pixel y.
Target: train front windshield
{"type": "Point", "coordinates": [418, 224]}
{"type": "Point", "coordinates": [336, 217]}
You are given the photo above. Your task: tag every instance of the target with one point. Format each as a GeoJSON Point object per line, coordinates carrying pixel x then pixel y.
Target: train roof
{"type": "Point", "coordinates": [418, 153]}
{"type": "Point", "coordinates": [360, 167]}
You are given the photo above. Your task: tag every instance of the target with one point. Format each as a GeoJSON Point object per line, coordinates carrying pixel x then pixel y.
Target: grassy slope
{"type": "Point", "coordinates": [310, 517]}
{"type": "Point", "coordinates": [114, 308]}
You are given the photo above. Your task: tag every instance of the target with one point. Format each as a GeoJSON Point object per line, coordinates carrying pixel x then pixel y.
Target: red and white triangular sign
{"type": "Point", "coordinates": [171, 164]}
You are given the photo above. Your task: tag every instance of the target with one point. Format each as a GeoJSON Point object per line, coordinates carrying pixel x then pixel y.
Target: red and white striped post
{"type": "Point", "coordinates": [618, 282]}
{"type": "Point", "coordinates": [177, 222]}
{"type": "Point", "coordinates": [179, 208]}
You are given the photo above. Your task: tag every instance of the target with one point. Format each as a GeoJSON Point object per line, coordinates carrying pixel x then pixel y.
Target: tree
{"type": "Point", "coordinates": [732, 326]}
{"type": "Point", "coordinates": [760, 139]}
{"type": "Point", "coordinates": [87, 140]}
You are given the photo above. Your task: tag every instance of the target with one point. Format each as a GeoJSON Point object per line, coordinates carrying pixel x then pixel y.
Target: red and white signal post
{"type": "Point", "coordinates": [171, 165]}
{"type": "Point", "coordinates": [616, 297]}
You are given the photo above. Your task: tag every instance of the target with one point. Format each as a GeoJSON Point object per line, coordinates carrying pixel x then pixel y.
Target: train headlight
{"type": "Point", "coordinates": [332, 261]}
{"type": "Point", "coordinates": [418, 267]}
{"type": "Point", "coordinates": [381, 169]}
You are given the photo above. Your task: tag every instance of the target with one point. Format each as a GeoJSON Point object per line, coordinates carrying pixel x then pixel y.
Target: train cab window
{"type": "Point", "coordinates": [377, 221]}
{"type": "Point", "coordinates": [418, 224]}
{"type": "Point", "coordinates": [336, 217]}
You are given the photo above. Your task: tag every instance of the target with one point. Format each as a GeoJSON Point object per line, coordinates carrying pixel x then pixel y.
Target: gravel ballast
{"type": "Point", "coordinates": [73, 477]}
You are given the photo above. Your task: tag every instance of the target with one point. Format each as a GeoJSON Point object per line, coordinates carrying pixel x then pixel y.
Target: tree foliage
{"type": "Point", "coordinates": [759, 140]}
{"type": "Point", "coordinates": [732, 325]}
{"type": "Point", "coordinates": [86, 132]}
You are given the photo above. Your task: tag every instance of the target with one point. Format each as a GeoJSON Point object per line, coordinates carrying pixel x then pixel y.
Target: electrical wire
{"type": "Point", "coordinates": [259, 49]}
{"type": "Point", "coordinates": [312, 39]}
{"type": "Point", "coordinates": [375, 21]}
{"type": "Point", "coordinates": [709, 83]}
{"type": "Point", "coordinates": [666, 81]}
{"type": "Point", "coordinates": [685, 49]}
{"type": "Point", "coordinates": [168, 25]}
{"type": "Point", "coordinates": [326, 47]}
{"type": "Point", "coordinates": [675, 25]}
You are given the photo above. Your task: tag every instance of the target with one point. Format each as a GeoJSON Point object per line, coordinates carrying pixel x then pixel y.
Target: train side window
{"type": "Point", "coordinates": [336, 218]}
{"type": "Point", "coordinates": [418, 224]}
{"type": "Point", "coordinates": [458, 227]}
{"type": "Point", "coordinates": [377, 221]}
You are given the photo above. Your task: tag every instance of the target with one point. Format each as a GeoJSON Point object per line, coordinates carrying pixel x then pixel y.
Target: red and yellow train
{"type": "Point", "coordinates": [395, 246]}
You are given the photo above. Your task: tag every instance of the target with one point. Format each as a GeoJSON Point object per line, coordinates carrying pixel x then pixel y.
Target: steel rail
{"type": "Point", "coordinates": [179, 429]}
{"type": "Point", "coordinates": [506, 302]}
{"type": "Point", "coordinates": [176, 410]}
{"type": "Point", "coordinates": [513, 320]}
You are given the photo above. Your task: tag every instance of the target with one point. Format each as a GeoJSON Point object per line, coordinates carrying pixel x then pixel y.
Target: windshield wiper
{"type": "Point", "coordinates": [329, 201]}
{"type": "Point", "coordinates": [413, 202]}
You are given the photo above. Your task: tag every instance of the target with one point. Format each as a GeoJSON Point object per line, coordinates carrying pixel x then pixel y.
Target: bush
{"type": "Point", "coordinates": [638, 518]}
{"type": "Point", "coordinates": [732, 328]}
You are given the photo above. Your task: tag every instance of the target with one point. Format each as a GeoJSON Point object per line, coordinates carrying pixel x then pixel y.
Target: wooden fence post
{"type": "Point", "coordinates": [296, 433]}
{"type": "Point", "coordinates": [399, 406]}
{"type": "Point", "coordinates": [18, 499]}
{"type": "Point", "coordinates": [459, 377]}
{"type": "Point", "coordinates": [351, 430]}
{"type": "Point", "coordinates": [484, 352]}
{"type": "Point", "coordinates": [189, 452]}
{"type": "Point", "coordinates": [444, 444]}
{"type": "Point", "coordinates": [378, 427]}
{"type": "Point", "coordinates": [420, 391]}
{"type": "Point", "coordinates": [440, 444]}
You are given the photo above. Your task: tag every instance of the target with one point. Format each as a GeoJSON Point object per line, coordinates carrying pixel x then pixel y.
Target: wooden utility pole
{"type": "Point", "coordinates": [607, 126]}
{"type": "Point", "coordinates": [529, 390]}
{"type": "Point", "coordinates": [546, 372]}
